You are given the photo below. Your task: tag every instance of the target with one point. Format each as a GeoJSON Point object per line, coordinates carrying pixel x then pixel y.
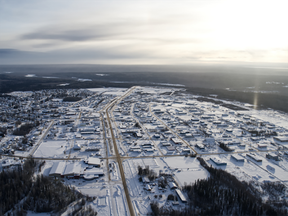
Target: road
{"type": "Point", "coordinates": [41, 139]}
{"type": "Point", "coordinates": [108, 125]}
{"type": "Point", "coordinates": [118, 157]}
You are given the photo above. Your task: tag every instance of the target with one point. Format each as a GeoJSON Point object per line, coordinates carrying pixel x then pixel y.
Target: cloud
{"type": "Point", "coordinates": [73, 55]}
{"type": "Point", "coordinates": [131, 54]}
{"type": "Point", "coordinates": [81, 32]}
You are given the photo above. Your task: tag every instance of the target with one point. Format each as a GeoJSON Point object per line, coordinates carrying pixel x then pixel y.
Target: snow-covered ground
{"type": "Point", "coordinates": [50, 149]}
{"type": "Point", "coordinates": [153, 129]}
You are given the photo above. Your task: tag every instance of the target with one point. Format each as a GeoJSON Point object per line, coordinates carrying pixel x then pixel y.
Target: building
{"type": "Point", "coordinates": [72, 171]}
{"type": "Point", "coordinates": [90, 174]}
{"type": "Point", "coordinates": [77, 147]}
{"type": "Point", "coordinates": [186, 150]}
{"type": "Point", "coordinates": [57, 169]}
{"type": "Point", "coordinates": [181, 195]}
{"type": "Point", "coordinates": [254, 157]}
{"type": "Point", "coordinates": [218, 161]}
{"type": "Point", "coordinates": [200, 146]}
{"type": "Point", "coordinates": [272, 156]}
{"type": "Point", "coordinates": [281, 139]}
{"type": "Point", "coordinates": [172, 185]}
{"type": "Point", "coordinates": [176, 141]}
{"type": "Point", "coordinates": [237, 157]}
{"type": "Point", "coordinates": [262, 146]}
{"type": "Point", "coordinates": [135, 149]}
{"type": "Point", "coordinates": [94, 162]}
{"type": "Point", "coordinates": [170, 149]}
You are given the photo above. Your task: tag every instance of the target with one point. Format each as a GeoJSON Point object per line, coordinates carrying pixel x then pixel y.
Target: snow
{"type": "Point", "coordinates": [174, 121]}
{"type": "Point", "coordinates": [191, 175]}
{"type": "Point", "coordinates": [84, 80]}
{"type": "Point", "coordinates": [52, 149]}
{"type": "Point", "coordinates": [271, 116]}
{"type": "Point", "coordinates": [30, 75]}
{"type": "Point", "coordinates": [102, 75]}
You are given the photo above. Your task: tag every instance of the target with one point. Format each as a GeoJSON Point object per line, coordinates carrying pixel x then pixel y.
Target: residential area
{"type": "Point", "coordinates": [132, 147]}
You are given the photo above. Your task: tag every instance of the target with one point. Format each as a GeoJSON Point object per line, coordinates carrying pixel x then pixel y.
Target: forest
{"type": "Point", "coordinates": [22, 191]}
{"type": "Point", "coordinates": [223, 194]}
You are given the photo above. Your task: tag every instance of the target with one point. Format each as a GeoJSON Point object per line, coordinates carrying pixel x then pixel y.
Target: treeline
{"type": "Point", "coordinates": [15, 185]}
{"type": "Point", "coordinates": [25, 128]}
{"type": "Point", "coordinates": [72, 99]}
{"type": "Point", "coordinates": [223, 194]}
{"type": "Point", "coordinates": [20, 192]}
{"type": "Point", "coordinates": [146, 172]}
{"type": "Point", "coordinates": [48, 195]}
{"type": "Point", "coordinates": [224, 147]}
{"type": "Point", "coordinates": [274, 101]}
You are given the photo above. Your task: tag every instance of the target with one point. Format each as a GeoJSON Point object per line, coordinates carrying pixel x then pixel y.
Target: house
{"type": "Point", "coordinates": [87, 130]}
{"type": "Point", "coordinates": [77, 147]}
{"type": "Point", "coordinates": [149, 150]}
{"type": "Point", "coordinates": [186, 150]}
{"type": "Point", "coordinates": [218, 161]}
{"type": "Point", "coordinates": [145, 179]}
{"type": "Point", "coordinates": [272, 156]}
{"type": "Point", "coordinates": [281, 139]}
{"type": "Point", "coordinates": [170, 148]}
{"type": "Point", "coordinates": [148, 187]}
{"type": "Point", "coordinates": [200, 146]}
{"type": "Point", "coordinates": [135, 149]}
{"type": "Point", "coordinates": [194, 120]}
{"type": "Point", "coordinates": [176, 141]}
{"type": "Point", "coordinates": [157, 136]}
{"type": "Point", "coordinates": [237, 157]}
{"type": "Point", "coordinates": [262, 146]}
{"type": "Point", "coordinates": [254, 157]}
{"type": "Point", "coordinates": [166, 144]}
{"type": "Point", "coordinates": [139, 135]}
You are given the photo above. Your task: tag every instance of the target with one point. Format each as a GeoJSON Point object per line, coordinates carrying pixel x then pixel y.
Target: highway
{"type": "Point", "coordinates": [118, 157]}
{"type": "Point", "coordinates": [111, 136]}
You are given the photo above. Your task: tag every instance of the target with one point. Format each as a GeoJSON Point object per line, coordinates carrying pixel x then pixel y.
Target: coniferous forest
{"type": "Point", "coordinates": [223, 194]}
{"type": "Point", "coordinates": [21, 190]}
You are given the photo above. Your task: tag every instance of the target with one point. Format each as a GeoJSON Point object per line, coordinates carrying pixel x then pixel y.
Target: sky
{"type": "Point", "coordinates": [142, 31]}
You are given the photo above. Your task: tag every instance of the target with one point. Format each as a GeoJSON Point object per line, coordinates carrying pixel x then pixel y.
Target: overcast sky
{"type": "Point", "coordinates": [143, 32]}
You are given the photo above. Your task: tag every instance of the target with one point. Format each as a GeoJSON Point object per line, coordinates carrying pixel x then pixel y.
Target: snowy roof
{"type": "Point", "coordinates": [93, 161]}
{"type": "Point", "coordinates": [94, 171]}
{"type": "Point", "coordinates": [181, 195]}
{"type": "Point", "coordinates": [69, 170]}
{"type": "Point", "coordinates": [218, 161]}
{"type": "Point", "coordinates": [172, 185]}
{"type": "Point", "coordinates": [57, 168]}
{"type": "Point", "coordinates": [281, 138]}
{"type": "Point", "coordinates": [237, 157]}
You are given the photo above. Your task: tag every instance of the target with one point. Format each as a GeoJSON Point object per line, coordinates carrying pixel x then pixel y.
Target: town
{"type": "Point", "coordinates": [130, 148]}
